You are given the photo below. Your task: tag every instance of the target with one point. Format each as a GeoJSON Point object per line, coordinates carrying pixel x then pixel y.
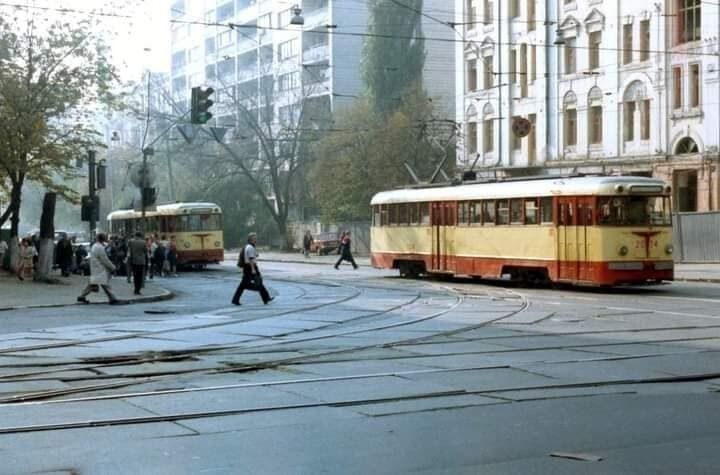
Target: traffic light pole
{"type": "Point", "coordinates": [147, 151]}
{"type": "Point", "coordinates": [92, 190]}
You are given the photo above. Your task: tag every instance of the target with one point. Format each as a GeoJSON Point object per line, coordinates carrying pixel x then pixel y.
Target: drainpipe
{"type": "Point", "coordinates": [548, 27]}
{"type": "Point", "coordinates": [500, 84]}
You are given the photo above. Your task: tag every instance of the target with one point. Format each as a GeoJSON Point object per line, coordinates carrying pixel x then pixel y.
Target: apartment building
{"type": "Point", "coordinates": [247, 48]}
{"type": "Point", "coordinates": [609, 86]}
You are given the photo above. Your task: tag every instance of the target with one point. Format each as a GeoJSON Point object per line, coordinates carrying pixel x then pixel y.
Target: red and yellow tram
{"type": "Point", "coordinates": [596, 231]}
{"type": "Point", "coordinates": [196, 227]}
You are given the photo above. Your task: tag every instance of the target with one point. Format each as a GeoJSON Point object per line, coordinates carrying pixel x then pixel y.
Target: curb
{"type": "Point", "coordinates": [165, 295]}
{"type": "Point", "coordinates": [707, 280]}
{"type": "Point", "coordinates": [296, 261]}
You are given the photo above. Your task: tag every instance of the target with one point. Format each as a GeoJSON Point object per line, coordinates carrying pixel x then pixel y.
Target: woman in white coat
{"type": "Point", "coordinates": [101, 269]}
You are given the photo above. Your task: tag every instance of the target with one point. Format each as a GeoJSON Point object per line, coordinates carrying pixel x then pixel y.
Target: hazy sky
{"type": "Point", "coordinates": [140, 28]}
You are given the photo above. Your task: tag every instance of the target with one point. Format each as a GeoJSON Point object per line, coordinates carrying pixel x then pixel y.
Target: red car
{"type": "Point", "coordinates": [325, 243]}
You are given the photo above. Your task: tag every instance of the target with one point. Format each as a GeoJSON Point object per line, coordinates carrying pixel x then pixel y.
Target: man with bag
{"type": "Point", "coordinates": [251, 278]}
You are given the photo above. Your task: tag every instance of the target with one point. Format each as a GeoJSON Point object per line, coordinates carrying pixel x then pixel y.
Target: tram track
{"type": "Point", "coordinates": [494, 393]}
{"type": "Point", "coordinates": [502, 395]}
{"type": "Point", "coordinates": [53, 374]}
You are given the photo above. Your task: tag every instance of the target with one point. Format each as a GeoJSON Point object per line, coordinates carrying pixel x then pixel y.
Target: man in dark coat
{"type": "Point", "coordinates": [137, 255]}
{"type": "Point", "coordinates": [251, 279]}
{"type": "Point", "coordinates": [64, 255]}
{"type": "Point", "coordinates": [345, 252]}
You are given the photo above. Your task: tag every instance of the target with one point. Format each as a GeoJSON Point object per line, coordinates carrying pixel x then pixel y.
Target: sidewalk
{"type": "Point", "coordinates": [16, 294]}
{"type": "Point", "coordinates": [702, 272]}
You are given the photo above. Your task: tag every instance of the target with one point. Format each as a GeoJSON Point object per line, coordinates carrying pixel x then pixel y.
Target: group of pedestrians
{"type": "Point", "coordinates": [139, 257]}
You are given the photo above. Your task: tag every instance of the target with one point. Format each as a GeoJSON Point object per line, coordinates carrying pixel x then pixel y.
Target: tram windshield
{"type": "Point", "coordinates": [634, 211]}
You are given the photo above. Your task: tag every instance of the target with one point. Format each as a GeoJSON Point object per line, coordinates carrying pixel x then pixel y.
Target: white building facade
{"type": "Point", "coordinates": [609, 86]}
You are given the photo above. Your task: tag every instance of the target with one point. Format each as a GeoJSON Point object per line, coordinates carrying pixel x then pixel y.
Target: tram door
{"type": "Point", "coordinates": [574, 217]}
{"type": "Point", "coordinates": [441, 217]}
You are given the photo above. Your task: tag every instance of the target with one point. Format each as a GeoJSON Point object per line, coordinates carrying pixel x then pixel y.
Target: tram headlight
{"type": "Point", "coordinates": [669, 249]}
{"type": "Point", "coordinates": [217, 243]}
{"type": "Point", "coordinates": [186, 245]}
{"type": "Point", "coordinates": [623, 251]}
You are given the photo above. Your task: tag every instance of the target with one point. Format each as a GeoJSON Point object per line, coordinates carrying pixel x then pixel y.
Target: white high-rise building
{"type": "Point", "coordinates": [609, 86]}
{"type": "Point", "coordinates": [245, 48]}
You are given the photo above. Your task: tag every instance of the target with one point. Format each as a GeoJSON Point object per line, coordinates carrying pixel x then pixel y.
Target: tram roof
{"type": "Point", "coordinates": [585, 186]}
{"type": "Point", "coordinates": [172, 209]}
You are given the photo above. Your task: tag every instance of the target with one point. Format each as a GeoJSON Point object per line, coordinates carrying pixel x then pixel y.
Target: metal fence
{"type": "Point", "coordinates": [697, 237]}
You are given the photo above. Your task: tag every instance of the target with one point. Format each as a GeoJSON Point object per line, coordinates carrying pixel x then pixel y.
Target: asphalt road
{"type": "Point", "coordinates": [358, 371]}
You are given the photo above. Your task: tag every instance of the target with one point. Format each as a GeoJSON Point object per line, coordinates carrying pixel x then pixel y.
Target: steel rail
{"type": "Point", "coordinates": [350, 403]}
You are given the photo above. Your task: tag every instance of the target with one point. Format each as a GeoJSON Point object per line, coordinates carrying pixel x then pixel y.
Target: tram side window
{"type": "Point", "coordinates": [546, 210]}
{"type": "Point", "coordinates": [425, 214]}
{"type": "Point", "coordinates": [376, 215]}
{"type": "Point", "coordinates": [393, 215]}
{"type": "Point", "coordinates": [476, 213]}
{"type": "Point", "coordinates": [413, 214]}
{"type": "Point", "coordinates": [402, 214]}
{"type": "Point", "coordinates": [488, 212]}
{"type": "Point", "coordinates": [516, 216]}
{"type": "Point", "coordinates": [503, 212]}
{"type": "Point", "coordinates": [383, 215]}
{"type": "Point", "coordinates": [531, 211]}
{"type": "Point", "coordinates": [463, 213]}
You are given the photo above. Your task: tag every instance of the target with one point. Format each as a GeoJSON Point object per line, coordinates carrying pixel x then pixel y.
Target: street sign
{"type": "Point", "coordinates": [521, 127]}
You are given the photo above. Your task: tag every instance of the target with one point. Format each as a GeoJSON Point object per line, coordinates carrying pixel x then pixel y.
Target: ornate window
{"type": "Point", "coordinates": [488, 129]}
{"type": "Point", "coordinates": [636, 113]}
{"type": "Point", "coordinates": [686, 146]}
{"type": "Point", "coordinates": [570, 120]}
{"type": "Point", "coordinates": [689, 20]}
{"type": "Point", "coordinates": [471, 133]}
{"type": "Point", "coordinates": [595, 116]}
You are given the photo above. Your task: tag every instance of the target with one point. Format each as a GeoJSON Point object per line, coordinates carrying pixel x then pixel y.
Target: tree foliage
{"type": "Point", "coordinates": [394, 53]}
{"type": "Point", "coordinates": [51, 76]}
{"type": "Point", "coordinates": [367, 152]}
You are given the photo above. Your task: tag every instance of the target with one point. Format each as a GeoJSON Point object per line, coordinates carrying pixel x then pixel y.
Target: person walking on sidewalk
{"type": "Point", "coordinates": [64, 255]}
{"type": "Point", "coordinates": [307, 242]}
{"type": "Point", "coordinates": [345, 252]}
{"type": "Point", "coordinates": [27, 253]}
{"type": "Point", "coordinates": [251, 278]}
{"type": "Point", "coordinates": [137, 257]}
{"type": "Point", "coordinates": [101, 270]}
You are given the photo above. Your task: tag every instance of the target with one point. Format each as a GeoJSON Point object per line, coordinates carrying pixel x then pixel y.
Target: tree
{"type": "Point", "coordinates": [368, 152]}
{"type": "Point", "coordinates": [273, 120]}
{"type": "Point", "coordinates": [51, 75]}
{"type": "Point", "coordinates": [394, 53]}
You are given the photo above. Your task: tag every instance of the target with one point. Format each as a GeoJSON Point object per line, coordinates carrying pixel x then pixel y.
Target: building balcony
{"type": "Point", "coordinates": [316, 17]}
{"type": "Point", "coordinates": [247, 74]}
{"type": "Point", "coordinates": [317, 53]}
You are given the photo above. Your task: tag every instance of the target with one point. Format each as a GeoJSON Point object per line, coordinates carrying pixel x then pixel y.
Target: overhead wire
{"type": "Point", "coordinates": [334, 32]}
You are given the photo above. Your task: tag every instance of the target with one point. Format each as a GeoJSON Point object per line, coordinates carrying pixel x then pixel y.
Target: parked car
{"type": "Point", "coordinates": [325, 243]}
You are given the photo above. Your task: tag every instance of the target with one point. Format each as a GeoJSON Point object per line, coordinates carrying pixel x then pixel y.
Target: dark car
{"type": "Point", "coordinates": [325, 243]}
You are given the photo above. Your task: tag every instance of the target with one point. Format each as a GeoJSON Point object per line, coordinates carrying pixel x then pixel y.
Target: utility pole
{"type": "Point", "coordinates": [92, 193]}
{"type": "Point", "coordinates": [145, 190]}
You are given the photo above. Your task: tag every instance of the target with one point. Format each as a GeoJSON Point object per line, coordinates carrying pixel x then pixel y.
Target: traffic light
{"type": "Point", "coordinates": [90, 208]}
{"type": "Point", "coordinates": [100, 175]}
{"type": "Point", "coordinates": [149, 196]}
{"type": "Point", "coordinates": [200, 104]}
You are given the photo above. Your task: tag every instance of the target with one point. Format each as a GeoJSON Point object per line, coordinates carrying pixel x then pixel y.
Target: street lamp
{"type": "Point", "coordinates": [297, 18]}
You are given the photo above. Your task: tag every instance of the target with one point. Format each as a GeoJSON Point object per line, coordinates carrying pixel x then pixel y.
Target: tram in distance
{"type": "Point", "coordinates": [196, 227]}
{"type": "Point", "coordinates": [585, 230]}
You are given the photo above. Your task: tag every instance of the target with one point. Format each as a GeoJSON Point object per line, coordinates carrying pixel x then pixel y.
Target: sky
{"type": "Point", "coordinates": [139, 30]}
